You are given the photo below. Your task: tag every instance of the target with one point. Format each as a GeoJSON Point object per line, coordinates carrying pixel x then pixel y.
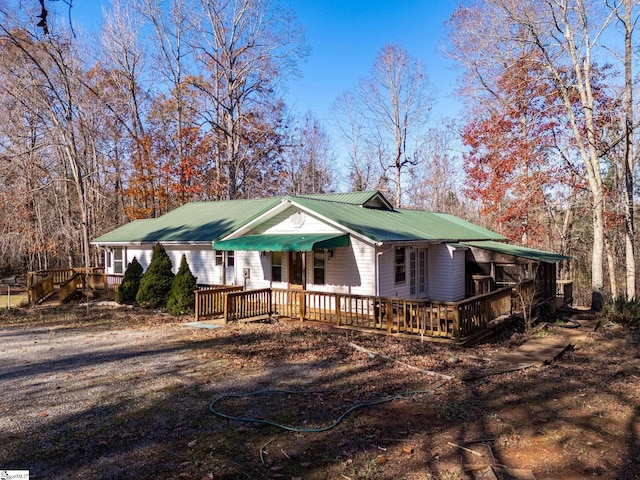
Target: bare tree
{"type": "Point", "coordinates": [624, 14]}
{"type": "Point", "coordinates": [391, 107]}
{"type": "Point", "coordinates": [566, 35]}
{"type": "Point", "coordinates": [362, 174]}
{"type": "Point", "coordinates": [436, 181]}
{"type": "Point", "coordinates": [310, 159]}
{"type": "Point", "coordinates": [246, 48]}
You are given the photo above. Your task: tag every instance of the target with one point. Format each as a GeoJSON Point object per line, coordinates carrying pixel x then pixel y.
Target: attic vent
{"type": "Point", "coordinates": [297, 219]}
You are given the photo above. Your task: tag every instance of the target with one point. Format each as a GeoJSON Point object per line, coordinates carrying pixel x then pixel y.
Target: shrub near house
{"type": "Point", "coordinates": [156, 282]}
{"type": "Point", "coordinates": [182, 297]}
{"type": "Point", "coordinates": [130, 283]}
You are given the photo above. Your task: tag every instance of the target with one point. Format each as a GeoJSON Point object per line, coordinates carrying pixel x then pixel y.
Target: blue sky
{"type": "Point", "coordinates": [346, 36]}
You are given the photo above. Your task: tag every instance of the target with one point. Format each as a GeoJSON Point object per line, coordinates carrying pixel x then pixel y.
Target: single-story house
{"type": "Point", "coordinates": [349, 243]}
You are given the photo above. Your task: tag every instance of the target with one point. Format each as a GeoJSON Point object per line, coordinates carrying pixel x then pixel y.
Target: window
{"type": "Point", "coordinates": [276, 266]}
{"type": "Point", "coordinates": [118, 260]}
{"type": "Point", "coordinates": [401, 269]}
{"type": "Point", "coordinates": [219, 258]}
{"type": "Point", "coordinates": [413, 272]}
{"type": "Point", "coordinates": [422, 272]}
{"type": "Point", "coordinates": [231, 260]}
{"type": "Point", "coordinates": [319, 259]}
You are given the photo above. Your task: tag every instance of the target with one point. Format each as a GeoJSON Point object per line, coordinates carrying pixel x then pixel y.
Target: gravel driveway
{"type": "Point", "coordinates": [68, 397]}
{"type": "Point", "coordinates": [102, 401]}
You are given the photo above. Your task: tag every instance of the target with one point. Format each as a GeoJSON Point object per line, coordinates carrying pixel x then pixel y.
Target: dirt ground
{"type": "Point", "coordinates": [116, 393]}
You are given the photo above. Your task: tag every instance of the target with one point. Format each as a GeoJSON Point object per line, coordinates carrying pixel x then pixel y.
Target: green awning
{"type": "Point", "coordinates": [517, 251]}
{"type": "Point", "coordinates": [283, 242]}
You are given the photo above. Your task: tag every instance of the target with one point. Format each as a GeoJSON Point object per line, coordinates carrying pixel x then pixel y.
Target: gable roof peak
{"type": "Point", "coordinates": [366, 199]}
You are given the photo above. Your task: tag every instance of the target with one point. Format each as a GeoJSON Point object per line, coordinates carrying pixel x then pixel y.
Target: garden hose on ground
{"type": "Point", "coordinates": [399, 396]}
{"type": "Point", "coordinates": [570, 323]}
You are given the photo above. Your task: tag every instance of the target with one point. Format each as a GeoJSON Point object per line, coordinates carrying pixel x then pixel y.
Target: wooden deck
{"type": "Point", "coordinates": [447, 320]}
{"type": "Point", "coordinates": [392, 316]}
{"type": "Point", "coordinates": [56, 286]}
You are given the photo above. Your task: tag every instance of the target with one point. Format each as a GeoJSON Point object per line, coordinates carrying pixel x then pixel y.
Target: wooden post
{"type": "Point", "coordinates": [456, 323]}
{"type": "Point", "coordinates": [336, 306]}
{"type": "Point", "coordinates": [225, 309]}
{"type": "Point", "coordinates": [301, 305]}
{"type": "Point", "coordinates": [389, 314]}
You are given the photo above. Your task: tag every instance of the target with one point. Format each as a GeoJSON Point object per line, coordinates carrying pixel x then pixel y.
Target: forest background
{"type": "Point", "coordinates": [183, 100]}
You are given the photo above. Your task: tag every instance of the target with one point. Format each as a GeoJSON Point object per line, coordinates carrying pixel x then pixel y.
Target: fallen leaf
{"type": "Point", "coordinates": [43, 414]}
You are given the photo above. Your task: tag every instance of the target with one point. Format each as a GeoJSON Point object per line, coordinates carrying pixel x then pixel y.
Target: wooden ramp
{"type": "Point", "coordinates": [539, 351]}
{"type": "Point", "coordinates": [209, 324]}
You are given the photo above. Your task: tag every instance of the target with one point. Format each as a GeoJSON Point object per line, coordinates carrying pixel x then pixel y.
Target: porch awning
{"type": "Point", "coordinates": [283, 242]}
{"type": "Point", "coordinates": [517, 251]}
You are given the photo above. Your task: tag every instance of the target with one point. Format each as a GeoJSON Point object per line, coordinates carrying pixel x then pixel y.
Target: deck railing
{"type": "Point", "coordinates": [454, 320]}
{"type": "Point", "coordinates": [249, 304]}
{"type": "Point", "coordinates": [103, 281]}
{"type": "Point", "coordinates": [70, 286]}
{"type": "Point", "coordinates": [394, 315]}
{"type": "Point", "coordinates": [475, 313]}
{"type": "Point", "coordinates": [564, 289]}
{"type": "Point", "coordinates": [40, 288]}
{"type": "Point", "coordinates": [41, 284]}
{"type": "Point", "coordinates": [210, 301]}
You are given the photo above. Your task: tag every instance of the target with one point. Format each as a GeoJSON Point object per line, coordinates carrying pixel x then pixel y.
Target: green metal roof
{"type": "Point", "coordinates": [204, 222]}
{"type": "Point", "coordinates": [517, 251]}
{"type": "Point", "coordinates": [193, 222]}
{"type": "Point", "coordinates": [351, 198]}
{"type": "Point", "coordinates": [398, 225]}
{"type": "Point", "coordinates": [283, 242]}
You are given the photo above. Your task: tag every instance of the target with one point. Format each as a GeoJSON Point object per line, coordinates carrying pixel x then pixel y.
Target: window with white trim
{"type": "Point", "coordinates": [276, 266]}
{"type": "Point", "coordinates": [118, 260]}
{"type": "Point", "coordinates": [319, 267]}
{"type": "Point", "coordinates": [401, 266]}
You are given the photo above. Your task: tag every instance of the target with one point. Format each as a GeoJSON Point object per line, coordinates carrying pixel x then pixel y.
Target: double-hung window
{"type": "Point", "coordinates": [319, 267]}
{"type": "Point", "coordinates": [276, 266]}
{"type": "Point", "coordinates": [401, 267]}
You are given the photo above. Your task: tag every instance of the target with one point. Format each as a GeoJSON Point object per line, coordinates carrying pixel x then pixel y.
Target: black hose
{"type": "Point", "coordinates": [398, 396]}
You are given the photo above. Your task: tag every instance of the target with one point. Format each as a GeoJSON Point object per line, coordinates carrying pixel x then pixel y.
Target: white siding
{"type": "Point", "coordinates": [140, 253]}
{"type": "Point", "coordinates": [201, 260]}
{"type": "Point", "coordinates": [259, 270]}
{"type": "Point", "coordinates": [446, 273]}
{"type": "Point", "coordinates": [350, 270]}
{"type": "Point", "coordinates": [387, 266]}
{"type": "Point", "coordinates": [457, 276]}
{"type": "Point", "coordinates": [282, 223]}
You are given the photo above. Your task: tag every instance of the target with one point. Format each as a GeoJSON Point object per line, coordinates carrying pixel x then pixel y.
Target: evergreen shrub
{"type": "Point", "coordinates": [128, 289]}
{"type": "Point", "coordinates": [155, 284]}
{"type": "Point", "coordinates": [182, 297]}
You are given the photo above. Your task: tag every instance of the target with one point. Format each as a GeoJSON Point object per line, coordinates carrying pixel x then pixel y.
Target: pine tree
{"type": "Point", "coordinates": [182, 297]}
{"type": "Point", "coordinates": [155, 284]}
{"type": "Point", "coordinates": [128, 289]}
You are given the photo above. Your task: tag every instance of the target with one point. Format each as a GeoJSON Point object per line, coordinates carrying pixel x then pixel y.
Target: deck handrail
{"type": "Point", "coordinates": [476, 312]}
{"type": "Point", "coordinates": [70, 286]}
{"type": "Point", "coordinates": [210, 301]}
{"type": "Point", "coordinates": [245, 304]}
{"type": "Point", "coordinates": [40, 290]}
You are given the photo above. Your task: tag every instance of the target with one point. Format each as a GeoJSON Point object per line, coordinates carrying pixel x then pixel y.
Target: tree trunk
{"type": "Point", "coordinates": [630, 257]}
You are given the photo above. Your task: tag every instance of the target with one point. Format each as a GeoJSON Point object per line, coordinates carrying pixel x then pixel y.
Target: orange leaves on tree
{"type": "Point", "coordinates": [185, 173]}
{"type": "Point", "coordinates": [508, 164]}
